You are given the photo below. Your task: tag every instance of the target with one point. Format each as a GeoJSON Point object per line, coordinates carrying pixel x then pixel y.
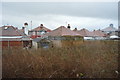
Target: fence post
{"type": "Point", "coordinates": [8, 44]}
{"type": "Point", "coordinates": [22, 44]}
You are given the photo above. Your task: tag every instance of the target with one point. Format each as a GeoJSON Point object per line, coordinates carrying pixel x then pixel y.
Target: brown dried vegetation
{"type": "Point", "coordinates": [91, 59]}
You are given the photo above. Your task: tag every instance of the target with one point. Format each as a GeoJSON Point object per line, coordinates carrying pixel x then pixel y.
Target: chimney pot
{"type": "Point", "coordinates": [23, 29]}
{"type": "Point", "coordinates": [68, 26]}
{"type": "Point", "coordinates": [75, 29]}
{"type": "Point", "coordinates": [25, 24]}
{"type": "Point", "coordinates": [111, 25]}
{"type": "Point", "coordinates": [41, 25]}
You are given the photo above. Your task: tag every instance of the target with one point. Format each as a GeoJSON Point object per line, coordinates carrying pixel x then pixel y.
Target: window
{"type": "Point", "coordinates": [34, 33]}
{"type": "Point", "coordinates": [43, 32]}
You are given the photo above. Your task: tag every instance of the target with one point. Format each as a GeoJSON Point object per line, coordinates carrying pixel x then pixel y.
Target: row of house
{"type": "Point", "coordinates": [60, 35]}
{"type": "Point", "coordinates": [107, 33]}
{"type": "Point", "coordinates": [96, 34]}
{"type": "Point", "coordinates": [42, 36]}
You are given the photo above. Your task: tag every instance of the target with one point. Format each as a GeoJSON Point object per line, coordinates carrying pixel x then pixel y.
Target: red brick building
{"type": "Point", "coordinates": [11, 37]}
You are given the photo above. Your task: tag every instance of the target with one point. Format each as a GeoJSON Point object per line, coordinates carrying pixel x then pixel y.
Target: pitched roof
{"type": "Point", "coordinates": [11, 31]}
{"type": "Point", "coordinates": [20, 31]}
{"type": "Point", "coordinates": [41, 27]}
{"type": "Point", "coordinates": [110, 28]}
{"type": "Point", "coordinates": [84, 32]}
{"type": "Point", "coordinates": [98, 33]}
{"type": "Point", "coordinates": [62, 31]}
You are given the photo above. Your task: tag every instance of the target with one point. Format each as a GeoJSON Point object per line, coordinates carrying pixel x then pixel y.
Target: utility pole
{"type": "Point", "coordinates": [66, 23]}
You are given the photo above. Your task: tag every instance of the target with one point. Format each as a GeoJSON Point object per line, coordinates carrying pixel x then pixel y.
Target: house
{"type": "Point", "coordinates": [63, 36]}
{"type": "Point", "coordinates": [98, 35]}
{"type": "Point", "coordinates": [38, 32]}
{"type": "Point", "coordinates": [87, 35]}
{"type": "Point", "coordinates": [62, 31]}
{"type": "Point", "coordinates": [117, 32]}
{"type": "Point", "coordinates": [110, 30]}
{"type": "Point", "coordinates": [115, 36]}
{"type": "Point", "coordinates": [12, 36]}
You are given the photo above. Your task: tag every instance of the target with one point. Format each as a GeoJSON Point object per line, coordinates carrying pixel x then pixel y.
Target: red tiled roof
{"type": "Point", "coordinates": [20, 31]}
{"type": "Point", "coordinates": [110, 28]}
{"type": "Point", "coordinates": [84, 32]}
{"type": "Point", "coordinates": [39, 28]}
{"type": "Point", "coordinates": [98, 33]}
{"type": "Point", "coordinates": [62, 31]}
{"type": "Point", "coordinates": [10, 31]}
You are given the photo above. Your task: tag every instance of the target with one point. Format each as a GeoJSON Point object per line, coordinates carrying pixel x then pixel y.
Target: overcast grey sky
{"type": "Point", "coordinates": [90, 15]}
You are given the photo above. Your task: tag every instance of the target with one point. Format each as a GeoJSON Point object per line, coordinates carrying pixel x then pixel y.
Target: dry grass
{"type": "Point", "coordinates": [92, 59]}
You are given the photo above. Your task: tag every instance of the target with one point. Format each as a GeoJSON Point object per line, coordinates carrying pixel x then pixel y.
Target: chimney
{"type": "Point", "coordinates": [23, 29]}
{"type": "Point", "coordinates": [75, 29]}
{"type": "Point", "coordinates": [41, 24]}
{"type": "Point", "coordinates": [68, 26]}
{"type": "Point", "coordinates": [111, 25]}
{"type": "Point", "coordinates": [25, 24]}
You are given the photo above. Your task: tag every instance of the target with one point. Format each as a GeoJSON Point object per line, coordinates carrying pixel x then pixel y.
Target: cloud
{"type": "Point", "coordinates": [60, 0]}
{"type": "Point", "coordinates": [91, 15]}
{"type": "Point", "coordinates": [80, 9]}
{"type": "Point", "coordinates": [54, 21]}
